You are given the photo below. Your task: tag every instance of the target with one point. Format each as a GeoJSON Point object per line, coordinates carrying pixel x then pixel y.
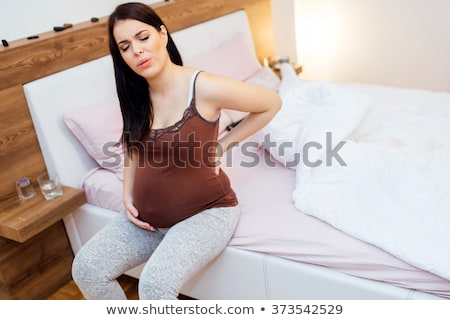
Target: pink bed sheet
{"type": "Point", "coordinates": [270, 224]}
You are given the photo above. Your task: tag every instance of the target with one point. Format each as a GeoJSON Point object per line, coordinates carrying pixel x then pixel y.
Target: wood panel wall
{"type": "Point", "coordinates": [27, 60]}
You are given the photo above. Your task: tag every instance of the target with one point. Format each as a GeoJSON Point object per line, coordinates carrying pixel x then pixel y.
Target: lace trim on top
{"type": "Point", "coordinates": [189, 112]}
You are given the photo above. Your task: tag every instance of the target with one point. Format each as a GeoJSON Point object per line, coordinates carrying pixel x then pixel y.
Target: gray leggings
{"type": "Point", "coordinates": [172, 255]}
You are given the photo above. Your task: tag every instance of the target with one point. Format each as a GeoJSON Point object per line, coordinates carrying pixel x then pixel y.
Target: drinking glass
{"type": "Point", "coordinates": [50, 186]}
{"type": "Point", "coordinates": [25, 189]}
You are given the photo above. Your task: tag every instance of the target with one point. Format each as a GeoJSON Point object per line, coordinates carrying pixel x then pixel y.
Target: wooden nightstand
{"type": "Point", "coordinates": [35, 254]}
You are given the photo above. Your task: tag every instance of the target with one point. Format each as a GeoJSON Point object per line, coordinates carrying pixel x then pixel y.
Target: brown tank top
{"type": "Point", "coordinates": [176, 178]}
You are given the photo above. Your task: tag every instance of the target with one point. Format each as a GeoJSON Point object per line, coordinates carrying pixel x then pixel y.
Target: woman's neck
{"type": "Point", "coordinates": [163, 80]}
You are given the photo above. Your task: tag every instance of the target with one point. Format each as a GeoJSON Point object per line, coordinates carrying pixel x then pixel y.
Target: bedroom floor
{"type": "Point", "coordinates": [70, 290]}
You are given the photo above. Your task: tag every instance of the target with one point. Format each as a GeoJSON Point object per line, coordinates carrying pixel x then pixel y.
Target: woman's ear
{"type": "Point", "coordinates": [163, 32]}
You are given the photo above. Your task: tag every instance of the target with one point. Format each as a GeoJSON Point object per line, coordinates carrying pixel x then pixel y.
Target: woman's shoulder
{"type": "Point", "coordinates": [210, 81]}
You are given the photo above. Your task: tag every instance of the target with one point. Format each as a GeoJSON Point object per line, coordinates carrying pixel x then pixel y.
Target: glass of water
{"type": "Point", "coordinates": [50, 185]}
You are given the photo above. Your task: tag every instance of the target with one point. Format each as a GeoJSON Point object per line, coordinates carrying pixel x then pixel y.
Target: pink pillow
{"type": "Point", "coordinates": [233, 58]}
{"type": "Point", "coordinates": [99, 130]}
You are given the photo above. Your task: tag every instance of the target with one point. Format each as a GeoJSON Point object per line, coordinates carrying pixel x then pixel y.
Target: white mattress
{"type": "Point", "coordinates": [270, 224]}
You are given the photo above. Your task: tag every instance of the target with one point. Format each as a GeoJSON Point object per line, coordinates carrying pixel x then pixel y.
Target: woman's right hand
{"type": "Point", "coordinates": [133, 214]}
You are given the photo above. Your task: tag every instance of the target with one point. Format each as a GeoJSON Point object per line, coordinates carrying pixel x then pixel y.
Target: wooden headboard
{"type": "Point", "coordinates": [28, 60]}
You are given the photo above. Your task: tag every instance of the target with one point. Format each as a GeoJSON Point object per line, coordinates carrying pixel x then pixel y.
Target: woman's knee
{"type": "Point", "coordinates": [157, 287]}
{"type": "Point", "coordinates": [82, 268]}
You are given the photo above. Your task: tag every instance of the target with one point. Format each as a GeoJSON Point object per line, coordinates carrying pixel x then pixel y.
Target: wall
{"type": "Point", "coordinates": [392, 42]}
{"type": "Point", "coordinates": [283, 16]}
{"type": "Point", "coordinates": [22, 18]}
{"type": "Point", "coordinates": [402, 43]}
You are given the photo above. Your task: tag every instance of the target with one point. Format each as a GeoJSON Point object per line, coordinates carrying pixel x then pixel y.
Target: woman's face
{"type": "Point", "coordinates": [143, 48]}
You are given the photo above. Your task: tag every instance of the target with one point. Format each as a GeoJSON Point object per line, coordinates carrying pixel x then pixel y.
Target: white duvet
{"type": "Point", "coordinates": [372, 161]}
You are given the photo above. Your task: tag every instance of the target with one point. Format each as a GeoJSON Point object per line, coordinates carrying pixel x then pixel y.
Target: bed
{"type": "Point", "coordinates": [278, 251]}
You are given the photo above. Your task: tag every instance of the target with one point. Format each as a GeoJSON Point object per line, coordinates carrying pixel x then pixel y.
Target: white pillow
{"type": "Point", "coordinates": [289, 78]}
